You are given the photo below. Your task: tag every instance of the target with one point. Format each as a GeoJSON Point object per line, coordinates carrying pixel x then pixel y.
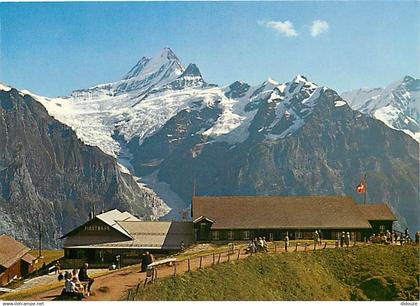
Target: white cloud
{"type": "Point", "coordinates": [282, 27]}
{"type": "Point", "coordinates": [318, 27]}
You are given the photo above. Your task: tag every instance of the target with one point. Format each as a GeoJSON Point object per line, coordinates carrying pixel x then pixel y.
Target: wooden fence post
{"type": "Point", "coordinates": [275, 248]}
{"type": "Point", "coordinates": [228, 256]}
{"type": "Point", "coordinates": [239, 253]}
{"type": "Point", "coordinates": [325, 245]}
{"type": "Point", "coordinates": [296, 246]}
{"type": "Point", "coordinates": [201, 261]}
{"type": "Point", "coordinates": [189, 267]}
{"type": "Point", "coordinates": [218, 259]}
{"type": "Point", "coordinates": [174, 268]}
{"type": "Point", "coordinates": [306, 245]}
{"type": "Point", "coordinates": [213, 259]}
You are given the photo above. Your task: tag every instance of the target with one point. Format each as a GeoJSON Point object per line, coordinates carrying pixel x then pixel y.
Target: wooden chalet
{"type": "Point", "coordinates": [246, 217]}
{"type": "Point", "coordinates": [113, 233]}
{"type": "Point", "coordinates": [15, 260]}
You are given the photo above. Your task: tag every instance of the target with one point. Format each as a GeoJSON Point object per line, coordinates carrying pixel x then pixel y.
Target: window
{"type": "Point", "coordinates": [215, 235]}
{"type": "Point", "coordinates": [298, 235]}
{"type": "Point", "coordinates": [246, 235]}
{"type": "Point", "coordinates": [271, 237]}
{"type": "Point", "coordinates": [230, 235]}
{"type": "Point", "coordinates": [382, 228]}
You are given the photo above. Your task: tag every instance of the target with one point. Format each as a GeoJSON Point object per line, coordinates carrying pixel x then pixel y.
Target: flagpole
{"type": "Point", "coordinates": [365, 193]}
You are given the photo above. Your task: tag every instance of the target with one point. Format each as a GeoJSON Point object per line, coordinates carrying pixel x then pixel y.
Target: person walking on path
{"type": "Point", "coordinates": [84, 277]}
{"type": "Point", "coordinates": [286, 241]}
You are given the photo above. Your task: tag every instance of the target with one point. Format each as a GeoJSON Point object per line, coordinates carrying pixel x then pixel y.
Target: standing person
{"type": "Point", "coordinates": [316, 237]}
{"type": "Point", "coordinates": [118, 260]}
{"type": "Point", "coordinates": [149, 259]}
{"type": "Point", "coordinates": [83, 276]}
{"type": "Point", "coordinates": [286, 241]}
{"type": "Point", "coordinates": [182, 246]}
{"type": "Point", "coordinates": [264, 245]}
{"type": "Point", "coordinates": [348, 239]}
{"type": "Point", "coordinates": [320, 237]}
{"type": "Point", "coordinates": [143, 262]}
{"type": "Point", "coordinates": [342, 238]}
{"type": "Point", "coordinates": [57, 267]}
{"type": "Point", "coordinates": [260, 244]}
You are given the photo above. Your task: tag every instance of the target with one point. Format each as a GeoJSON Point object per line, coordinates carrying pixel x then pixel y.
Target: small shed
{"type": "Point", "coordinates": [15, 260]}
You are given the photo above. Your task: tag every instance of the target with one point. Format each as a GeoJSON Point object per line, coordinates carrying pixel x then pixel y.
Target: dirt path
{"type": "Point", "coordinates": [115, 286]}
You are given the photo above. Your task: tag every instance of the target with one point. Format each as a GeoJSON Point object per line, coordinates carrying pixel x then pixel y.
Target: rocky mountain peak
{"type": "Point", "coordinates": [192, 70]}
{"type": "Point", "coordinates": [136, 70]}
{"type": "Point", "coordinates": [237, 89]}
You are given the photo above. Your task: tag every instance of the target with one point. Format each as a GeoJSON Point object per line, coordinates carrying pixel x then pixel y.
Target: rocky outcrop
{"type": "Point", "coordinates": [49, 177]}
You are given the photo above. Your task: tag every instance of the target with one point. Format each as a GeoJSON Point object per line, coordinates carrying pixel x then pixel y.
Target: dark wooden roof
{"type": "Point", "coordinates": [286, 212]}
{"type": "Point", "coordinates": [11, 251]}
{"type": "Point", "coordinates": [377, 212]}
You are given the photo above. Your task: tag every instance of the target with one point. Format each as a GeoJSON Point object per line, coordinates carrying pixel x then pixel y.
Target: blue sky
{"type": "Point", "coordinates": [54, 48]}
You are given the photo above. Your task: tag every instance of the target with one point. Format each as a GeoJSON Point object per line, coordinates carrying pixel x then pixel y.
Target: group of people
{"type": "Point", "coordinates": [393, 238]}
{"type": "Point", "coordinates": [257, 245]}
{"type": "Point", "coordinates": [73, 281]}
{"type": "Point", "coordinates": [343, 239]}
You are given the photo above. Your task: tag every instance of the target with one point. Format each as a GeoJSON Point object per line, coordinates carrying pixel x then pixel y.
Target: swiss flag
{"type": "Point", "coordinates": [361, 188]}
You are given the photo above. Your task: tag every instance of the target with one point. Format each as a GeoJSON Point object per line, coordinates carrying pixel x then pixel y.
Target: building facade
{"type": "Point", "coordinates": [243, 217]}
{"type": "Point", "coordinates": [119, 234]}
{"type": "Point", "coordinates": [15, 260]}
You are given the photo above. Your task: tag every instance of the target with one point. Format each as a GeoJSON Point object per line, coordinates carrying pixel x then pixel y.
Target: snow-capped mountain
{"type": "Point", "coordinates": [397, 105]}
{"type": "Point", "coordinates": [155, 90]}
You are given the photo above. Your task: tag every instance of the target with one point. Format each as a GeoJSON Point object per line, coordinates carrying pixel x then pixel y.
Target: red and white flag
{"type": "Point", "coordinates": [361, 188]}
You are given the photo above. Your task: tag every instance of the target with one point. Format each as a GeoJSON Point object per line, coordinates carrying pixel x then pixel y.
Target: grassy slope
{"type": "Point", "coordinates": [363, 273]}
{"type": "Point", "coordinates": [48, 256]}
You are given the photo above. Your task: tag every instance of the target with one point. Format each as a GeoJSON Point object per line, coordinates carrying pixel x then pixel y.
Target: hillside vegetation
{"type": "Point", "coordinates": [360, 273]}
